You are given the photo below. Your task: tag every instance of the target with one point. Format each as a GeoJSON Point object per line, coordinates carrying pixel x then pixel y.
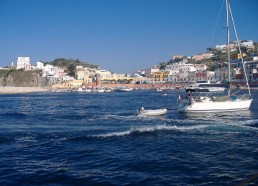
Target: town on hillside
{"type": "Point", "coordinates": [209, 66]}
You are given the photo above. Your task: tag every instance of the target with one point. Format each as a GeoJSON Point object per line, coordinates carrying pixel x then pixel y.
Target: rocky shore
{"type": "Point", "coordinates": [21, 90]}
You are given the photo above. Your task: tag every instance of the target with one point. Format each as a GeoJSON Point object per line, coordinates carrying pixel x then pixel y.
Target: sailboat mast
{"type": "Point", "coordinates": [228, 52]}
{"type": "Point", "coordinates": [238, 45]}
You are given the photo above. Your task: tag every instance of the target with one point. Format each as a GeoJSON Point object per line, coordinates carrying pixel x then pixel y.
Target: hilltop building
{"type": "Point", "coordinates": [40, 65]}
{"type": "Point", "coordinates": [203, 56]}
{"type": "Point", "coordinates": [243, 43]}
{"type": "Point", "coordinates": [23, 63]}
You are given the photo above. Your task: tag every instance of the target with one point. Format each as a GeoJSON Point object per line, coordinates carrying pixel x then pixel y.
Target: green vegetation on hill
{"type": "Point", "coordinates": [3, 73]}
{"type": "Point", "coordinates": [70, 65]}
{"type": "Point", "coordinates": [65, 63]}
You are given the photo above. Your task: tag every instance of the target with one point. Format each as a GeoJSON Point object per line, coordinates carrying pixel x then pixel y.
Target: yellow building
{"type": "Point", "coordinates": [239, 56]}
{"type": "Point", "coordinates": [161, 77]}
{"type": "Point", "coordinates": [69, 84]}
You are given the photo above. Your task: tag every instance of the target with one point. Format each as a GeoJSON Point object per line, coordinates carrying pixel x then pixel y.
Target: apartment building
{"type": "Point", "coordinates": [23, 63]}
{"type": "Point", "coordinates": [161, 77]}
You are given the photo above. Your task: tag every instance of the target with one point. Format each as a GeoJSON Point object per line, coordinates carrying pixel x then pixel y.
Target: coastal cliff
{"type": "Point", "coordinates": [21, 78]}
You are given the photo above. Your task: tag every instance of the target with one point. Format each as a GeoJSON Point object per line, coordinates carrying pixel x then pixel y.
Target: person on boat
{"type": "Point", "coordinates": [141, 109]}
{"type": "Point", "coordinates": [233, 96]}
{"type": "Point", "coordinates": [188, 96]}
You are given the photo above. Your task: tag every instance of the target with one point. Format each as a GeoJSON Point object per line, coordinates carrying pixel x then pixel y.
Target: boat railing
{"type": "Point", "coordinates": [204, 99]}
{"type": "Point", "coordinates": [244, 97]}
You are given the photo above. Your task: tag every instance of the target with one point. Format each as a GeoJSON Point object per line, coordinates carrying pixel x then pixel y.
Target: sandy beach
{"type": "Point", "coordinates": [20, 90]}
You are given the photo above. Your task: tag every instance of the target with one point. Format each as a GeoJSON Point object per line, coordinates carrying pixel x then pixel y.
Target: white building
{"type": "Point", "coordinates": [221, 47]}
{"type": "Point", "coordinates": [53, 72]}
{"type": "Point", "coordinates": [246, 43]}
{"type": "Point", "coordinates": [174, 71]}
{"type": "Point", "coordinates": [23, 63]}
{"type": "Point", "coordinates": [149, 73]}
{"type": "Point", "coordinates": [40, 65]}
{"type": "Point", "coordinates": [104, 74]}
{"type": "Point", "coordinates": [151, 70]}
{"type": "Point", "coordinates": [201, 67]}
{"type": "Point", "coordinates": [175, 66]}
{"type": "Point", "coordinates": [180, 72]}
{"type": "Point", "coordinates": [186, 70]}
{"type": "Point", "coordinates": [173, 78]}
{"type": "Point", "coordinates": [224, 47]}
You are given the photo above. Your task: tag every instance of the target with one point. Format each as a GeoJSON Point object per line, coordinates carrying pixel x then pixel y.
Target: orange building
{"type": "Point", "coordinates": [161, 77]}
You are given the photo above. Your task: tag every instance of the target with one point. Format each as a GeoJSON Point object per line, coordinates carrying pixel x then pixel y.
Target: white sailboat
{"type": "Point", "coordinates": [228, 102]}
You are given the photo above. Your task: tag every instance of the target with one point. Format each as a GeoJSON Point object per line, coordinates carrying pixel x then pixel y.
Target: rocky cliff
{"type": "Point", "coordinates": [21, 78]}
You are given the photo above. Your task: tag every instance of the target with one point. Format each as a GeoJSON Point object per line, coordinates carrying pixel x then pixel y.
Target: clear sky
{"type": "Point", "coordinates": [119, 35]}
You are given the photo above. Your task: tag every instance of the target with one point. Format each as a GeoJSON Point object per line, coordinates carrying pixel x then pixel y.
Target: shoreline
{"type": "Point", "coordinates": [22, 90]}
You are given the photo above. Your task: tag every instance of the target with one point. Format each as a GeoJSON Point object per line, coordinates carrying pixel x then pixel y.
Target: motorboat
{"type": "Point", "coordinates": [123, 89]}
{"type": "Point", "coordinates": [211, 87]}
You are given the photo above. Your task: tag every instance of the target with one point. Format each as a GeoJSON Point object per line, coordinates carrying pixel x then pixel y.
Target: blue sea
{"type": "Point", "coordinates": [75, 138]}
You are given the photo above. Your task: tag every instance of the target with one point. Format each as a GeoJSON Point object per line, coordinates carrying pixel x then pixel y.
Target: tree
{"type": "Point", "coordinates": [162, 66]}
{"type": "Point", "coordinates": [71, 70]}
{"type": "Point", "coordinates": [64, 63]}
{"type": "Point", "coordinates": [243, 49]}
{"type": "Point", "coordinates": [210, 49]}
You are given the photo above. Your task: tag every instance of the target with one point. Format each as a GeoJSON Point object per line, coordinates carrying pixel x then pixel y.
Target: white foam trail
{"type": "Point", "coordinates": [112, 134]}
{"type": "Point", "coordinates": [152, 129]}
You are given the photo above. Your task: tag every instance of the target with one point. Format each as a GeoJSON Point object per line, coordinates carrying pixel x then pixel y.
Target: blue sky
{"type": "Point", "coordinates": [119, 35]}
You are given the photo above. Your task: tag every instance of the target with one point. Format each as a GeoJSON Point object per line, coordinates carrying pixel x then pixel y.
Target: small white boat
{"type": "Point", "coordinates": [88, 90]}
{"type": "Point", "coordinates": [123, 89]}
{"type": "Point", "coordinates": [126, 89]}
{"type": "Point", "coordinates": [156, 112]}
{"type": "Point", "coordinates": [108, 90]}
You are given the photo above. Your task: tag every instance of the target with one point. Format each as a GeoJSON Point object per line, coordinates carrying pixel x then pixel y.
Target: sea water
{"type": "Point", "coordinates": [81, 138]}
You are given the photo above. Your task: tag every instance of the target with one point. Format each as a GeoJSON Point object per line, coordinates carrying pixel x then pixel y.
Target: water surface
{"type": "Point", "coordinates": [97, 139]}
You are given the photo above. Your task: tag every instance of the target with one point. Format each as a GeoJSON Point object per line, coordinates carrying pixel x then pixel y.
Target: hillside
{"type": "Point", "coordinates": [219, 57]}
{"type": "Point", "coordinates": [65, 63]}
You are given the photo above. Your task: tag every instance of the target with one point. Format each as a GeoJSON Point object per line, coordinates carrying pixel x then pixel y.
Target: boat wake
{"type": "Point", "coordinates": [175, 121]}
{"type": "Point", "coordinates": [134, 118]}
{"type": "Point", "coordinates": [246, 126]}
{"type": "Point", "coordinates": [151, 129]}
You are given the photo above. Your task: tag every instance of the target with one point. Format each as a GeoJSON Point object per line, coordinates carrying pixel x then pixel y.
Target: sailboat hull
{"type": "Point", "coordinates": [236, 105]}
